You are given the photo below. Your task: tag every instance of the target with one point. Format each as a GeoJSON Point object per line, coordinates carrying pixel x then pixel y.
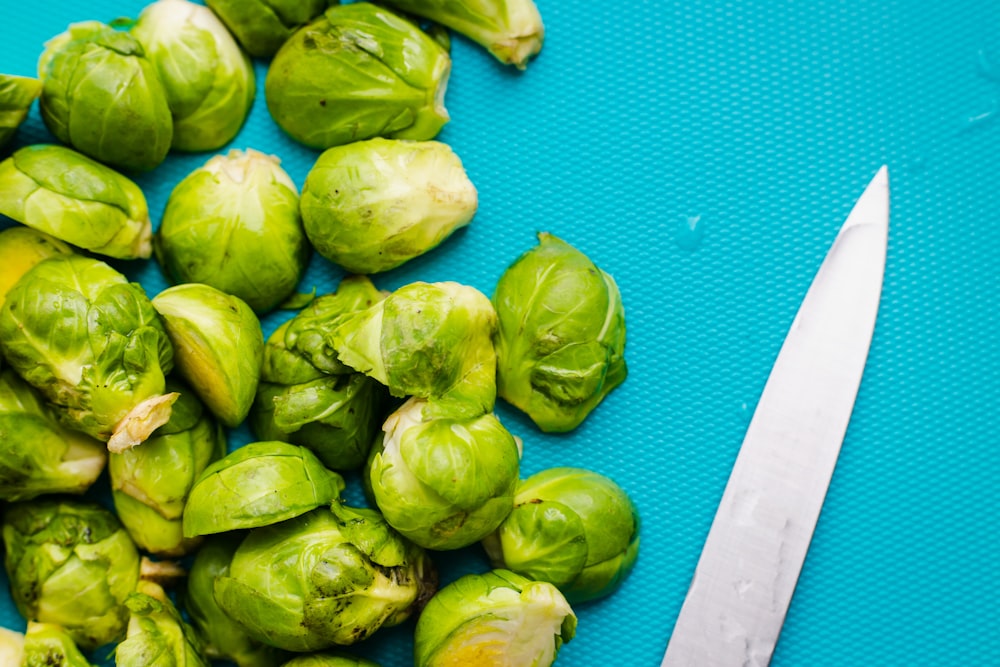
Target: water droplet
{"type": "Point", "coordinates": [689, 231]}
{"type": "Point", "coordinates": [976, 120]}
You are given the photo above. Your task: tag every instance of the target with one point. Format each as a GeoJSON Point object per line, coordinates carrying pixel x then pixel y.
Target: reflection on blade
{"type": "Point", "coordinates": [758, 540]}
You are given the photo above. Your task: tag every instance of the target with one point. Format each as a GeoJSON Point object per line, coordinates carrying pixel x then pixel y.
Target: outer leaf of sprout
{"type": "Point", "coordinates": [49, 645]}
{"type": "Point", "coordinates": [17, 94]}
{"type": "Point", "coordinates": [20, 249]}
{"type": "Point", "coordinates": [262, 26]}
{"type": "Point", "coordinates": [256, 485]}
{"type": "Point", "coordinates": [157, 635]}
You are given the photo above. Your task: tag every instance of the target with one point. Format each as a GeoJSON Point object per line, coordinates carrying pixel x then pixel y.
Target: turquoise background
{"type": "Point", "coordinates": [705, 153]}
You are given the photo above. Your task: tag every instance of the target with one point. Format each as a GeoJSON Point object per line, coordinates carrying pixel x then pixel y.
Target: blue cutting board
{"type": "Point", "coordinates": [705, 153]}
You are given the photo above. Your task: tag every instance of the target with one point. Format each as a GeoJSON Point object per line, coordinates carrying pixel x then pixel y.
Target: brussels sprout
{"type": "Point", "coordinates": [60, 192]}
{"type": "Point", "coordinates": [91, 342]}
{"type": "Point", "coordinates": [511, 30]}
{"type": "Point", "coordinates": [332, 576]}
{"type": "Point", "coordinates": [234, 224]}
{"type": "Point", "coordinates": [306, 396]}
{"type": "Point", "coordinates": [444, 483]}
{"type": "Point", "coordinates": [571, 527]}
{"type": "Point", "coordinates": [258, 484]}
{"type": "Point", "coordinates": [208, 80]}
{"type": "Point", "coordinates": [432, 340]}
{"type": "Point", "coordinates": [218, 346]}
{"type": "Point", "coordinates": [17, 94]}
{"type": "Point", "coordinates": [102, 96]}
{"type": "Point", "coordinates": [11, 647]}
{"type": "Point", "coordinates": [561, 343]}
{"type": "Point", "coordinates": [329, 660]}
{"type": "Point", "coordinates": [37, 454]}
{"type": "Point", "coordinates": [49, 645]}
{"type": "Point", "coordinates": [496, 618]}
{"type": "Point", "coordinates": [150, 483]}
{"type": "Point", "coordinates": [222, 637]}
{"type": "Point", "coordinates": [20, 249]}
{"type": "Point", "coordinates": [70, 563]}
{"type": "Point", "coordinates": [262, 26]}
{"type": "Point", "coordinates": [356, 72]}
{"type": "Point", "coordinates": [157, 635]}
{"type": "Point", "coordinates": [371, 205]}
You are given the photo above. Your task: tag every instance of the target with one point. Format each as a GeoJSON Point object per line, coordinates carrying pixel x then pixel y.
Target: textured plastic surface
{"type": "Point", "coordinates": [705, 154]}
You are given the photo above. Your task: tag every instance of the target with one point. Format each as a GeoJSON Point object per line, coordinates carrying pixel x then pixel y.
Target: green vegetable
{"type": "Point", "coordinates": [218, 346]}
{"type": "Point", "coordinates": [561, 343]}
{"type": "Point", "coordinates": [511, 30]}
{"type": "Point", "coordinates": [11, 647]}
{"type": "Point", "coordinates": [356, 72]}
{"type": "Point", "coordinates": [91, 342]}
{"type": "Point", "coordinates": [37, 454]}
{"type": "Point", "coordinates": [332, 576]}
{"type": "Point", "coordinates": [574, 528]}
{"type": "Point", "coordinates": [262, 26]}
{"type": "Point", "coordinates": [222, 637]}
{"type": "Point", "coordinates": [70, 563]}
{"type": "Point", "coordinates": [20, 249]}
{"type": "Point", "coordinates": [431, 340]}
{"type": "Point", "coordinates": [496, 618]}
{"type": "Point", "coordinates": [256, 485]}
{"type": "Point", "coordinates": [371, 205]}
{"type": "Point", "coordinates": [329, 660]}
{"type": "Point", "coordinates": [306, 396]}
{"type": "Point", "coordinates": [65, 194]}
{"type": "Point", "coordinates": [442, 482]}
{"type": "Point", "coordinates": [234, 224]}
{"type": "Point", "coordinates": [208, 80]}
{"type": "Point", "coordinates": [17, 94]}
{"type": "Point", "coordinates": [102, 96]}
{"type": "Point", "coordinates": [150, 483]}
{"type": "Point", "coordinates": [49, 645]}
{"type": "Point", "coordinates": [157, 635]}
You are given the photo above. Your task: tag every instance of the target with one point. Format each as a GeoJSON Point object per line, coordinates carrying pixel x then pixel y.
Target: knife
{"type": "Point", "coordinates": [755, 548]}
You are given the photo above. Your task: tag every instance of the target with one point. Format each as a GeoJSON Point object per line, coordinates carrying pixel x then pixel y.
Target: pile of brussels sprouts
{"type": "Point", "coordinates": [252, 555]}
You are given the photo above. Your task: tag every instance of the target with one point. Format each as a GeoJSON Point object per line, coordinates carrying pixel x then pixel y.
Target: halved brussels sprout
{"type": "Point", "coordinates": [329, 660]}
{"type": "Point", "coordinates": [157, 635]}
{"type": "Point", "coordinates": [208, 80]}
{"type": "Point", "coordinates": [150, 483]}
{"type": "Point", "coordinates": [222, 637]}
{"type": "Point", "coordinates": [442, 482]}
{"type": "Point", "coordinates": [20, 249]}
{"type": "Point", "coordinates": [49, 645]}
{"type": "Point", "coordinates": [262, 26]}
{"type": "Point", "coordinates": [101, 95]}
{"type": "Point", "coordinates": [511, 30]}
{"type": "Point", "coordinates": [11, 647]}
{"type": "Point", "coordinates": [37, 454]}
{"type": "Point", "coordinates": [330, 577]}
{"type": "Point", "coordinates": [370, 206]}
{"type": "Point", "coordinates": [499, 618]}
{"type": "Point", "coordinates": [561, 341]}
{"type": "Point", "coordinates": [91, 342]}
{"type": "Point", "coordinates": [234, 224]}
{"type": "Point", "coordinates": [71, 563]}
{"type": "Point", "coordinates": [256, 485]}
{"type": "Point", "coordinates": [218, 346]}
{"type": "Point", "coordinates": [571, 527]}
{"type": "Point", "coordinates": [356, 72]}
{"type": "Point", "coordinates": [61, 192]}
{"type": "Point", "coordinates": [307, 396]}
{"type": "Point", "coordinates": [431, 340]}
{"type": "Point", "coordinates": [17, 94]}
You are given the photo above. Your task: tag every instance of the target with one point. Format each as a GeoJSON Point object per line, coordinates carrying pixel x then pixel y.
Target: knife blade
{"type": "Point", "coordinates": [758, 540]}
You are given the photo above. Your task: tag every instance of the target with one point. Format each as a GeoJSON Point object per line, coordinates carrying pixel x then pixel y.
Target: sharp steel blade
{"type": "Point", "coordinates": [755, 548]}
